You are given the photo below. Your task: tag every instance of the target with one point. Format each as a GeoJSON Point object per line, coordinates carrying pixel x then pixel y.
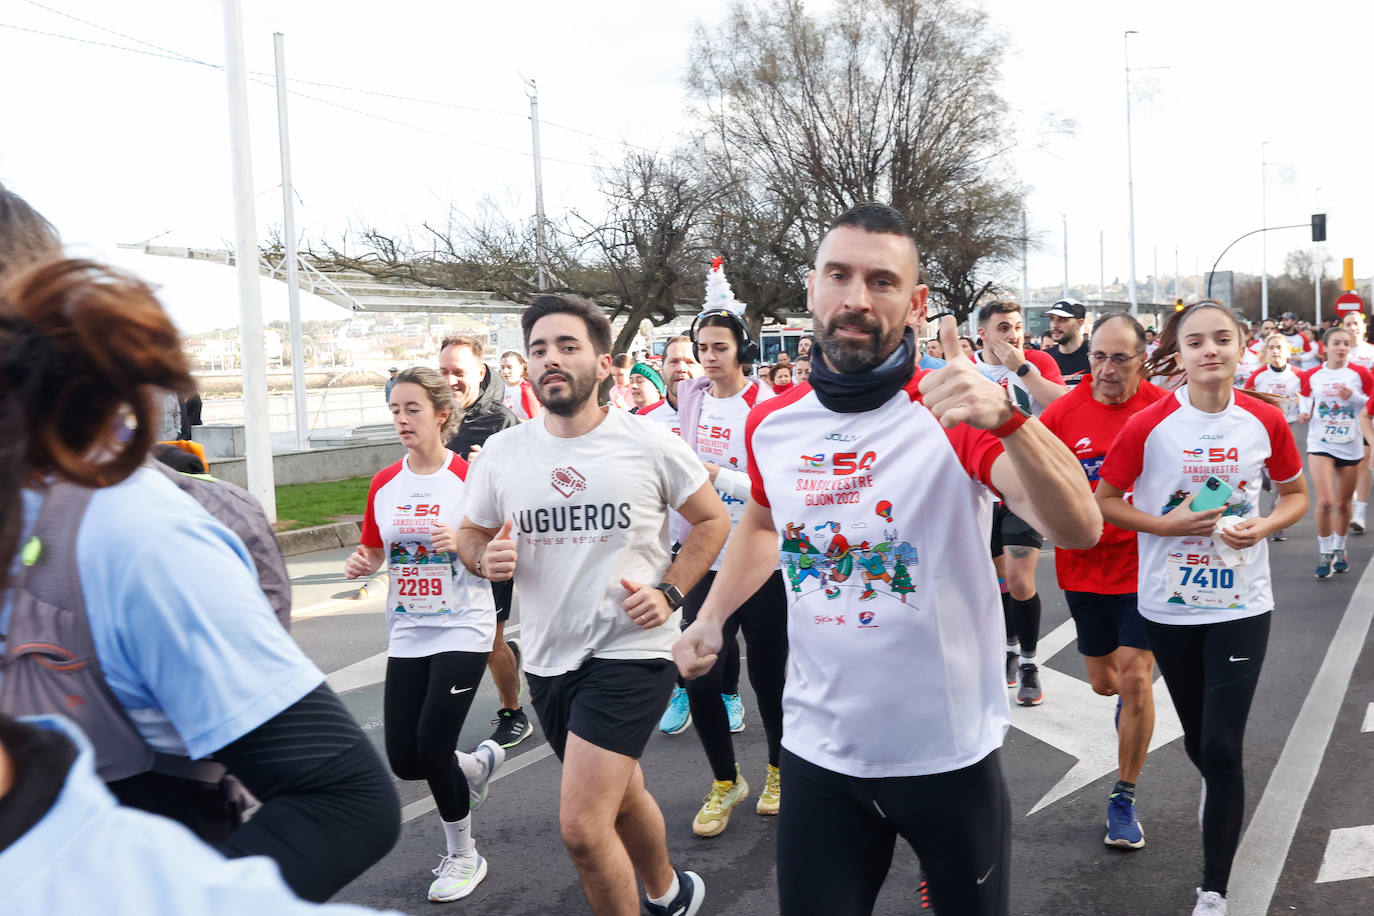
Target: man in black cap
{"type": "Point", "coordinates": [1070, 351]}
{"type": "Point", "coordinates": [1303, 351]}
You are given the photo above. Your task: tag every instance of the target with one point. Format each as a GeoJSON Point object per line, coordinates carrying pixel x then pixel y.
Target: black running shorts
{"type": "Point", "coordinates": [1106, 622]}
{"type": "Point", "coordinates": [503, 592]}
{"type": "Point", "coordinates": [1010, 530]}
{"type": "Point", "coordinates": [610, 702]}
{"type": "Point", "coordinates": [1340, 462]}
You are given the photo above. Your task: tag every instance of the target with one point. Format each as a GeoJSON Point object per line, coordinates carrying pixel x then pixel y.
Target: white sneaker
{"type": "Point", "coordinates": [478, 768]}
{"type": "Point", "coordinates": [458, 876]}
{"type": "Point", "coordinates": [1357, 520]}
{"type": "Point", "coordinates": [1209, 903]}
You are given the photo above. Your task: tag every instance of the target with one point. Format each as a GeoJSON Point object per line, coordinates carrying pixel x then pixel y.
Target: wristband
{"type": "Point", "coordinates": [1018, 417]}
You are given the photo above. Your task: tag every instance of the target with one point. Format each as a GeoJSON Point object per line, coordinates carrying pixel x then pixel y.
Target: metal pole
{"type": "Point", "coordinates": [1154, 279]}
{"type": "Point", "coordinates": [540, 255]}
{"type": "Point", "coordinates": [1264, 237]}
{"type": "Point", "coordinates": [293, 291]}
{"type": "Point", "coordinates": [1130, 176]}
{"type": "Point", "coordinates": [1317, 271]}
{"type": "Point", "coordinates": [257, 429]}
{"type": "Point", "coordinates": [1101, 268]}
{"type": "Point", "coordinates": [1197, 277]}
{"type": "Point", "coordinates": [1066, 255]}
{"type": "Point", "coordinates": [1025, 248]}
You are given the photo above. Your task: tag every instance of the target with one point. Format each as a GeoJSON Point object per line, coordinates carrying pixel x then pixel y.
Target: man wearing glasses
{"type": "Point", "coordinates": [1100, 583]}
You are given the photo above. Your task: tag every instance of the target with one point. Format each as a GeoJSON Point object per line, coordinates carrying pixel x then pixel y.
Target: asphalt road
{"type": "Point", "coordinates": [1059, 757]}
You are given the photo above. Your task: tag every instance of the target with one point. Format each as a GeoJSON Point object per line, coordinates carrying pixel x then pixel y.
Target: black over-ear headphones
{"type": "Point", "coordinates": [747, 351]}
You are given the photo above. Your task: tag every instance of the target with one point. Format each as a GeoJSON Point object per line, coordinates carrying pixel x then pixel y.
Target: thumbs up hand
{"type": "Point", "coordinates": [498, 561]}
{"type": "Point", "coordinates": [646, 605]}
{"type": "Point", "coordinates": [959, 393]}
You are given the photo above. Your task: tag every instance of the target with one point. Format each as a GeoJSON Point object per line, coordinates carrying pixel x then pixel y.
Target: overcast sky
{"type": "Point", "coordinates": [118, 147]}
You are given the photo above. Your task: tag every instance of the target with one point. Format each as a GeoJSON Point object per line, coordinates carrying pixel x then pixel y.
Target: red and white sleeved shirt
{"type": "Point", "coordinates": [1164, 454]}
{"type": "Point", "coordinates": [1088, 427]}
{"type": "Point", "coordinates": [882, 520]}
{"type": "Point", "coordinates": [433, 603]}
{"type": "Point", "coordinates": [1284, 383]}
{"type": "Point", "coordinates": [1015, 385]}
{"type": "Point", "coordinates": [1334, 427]}
{"type": "Point", "coordinates": [520, 400]}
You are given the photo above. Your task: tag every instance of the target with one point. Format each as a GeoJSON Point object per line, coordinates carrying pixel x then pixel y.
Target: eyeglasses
{"type": "Point", "coordinates": [1118, 359]}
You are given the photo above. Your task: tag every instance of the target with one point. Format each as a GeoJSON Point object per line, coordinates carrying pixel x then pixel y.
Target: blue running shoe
{"type": "Point", "coordinates": [1123, 829]}
{"type": "Point", "coordinates": [734, 710]}
{"type": "Point", "coordinates": [691, 893]}
{"type": "Point", "coordinates": [1117, 720]}
{"type": "Point", "coordinates": [678, 715]}
{"type": "Point", "coordinates": [1338, 561]}
{"type": "Point", "coordinates": [1324, 566]}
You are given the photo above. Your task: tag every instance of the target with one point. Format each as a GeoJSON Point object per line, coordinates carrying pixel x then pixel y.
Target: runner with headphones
{"type": "Point", "coordinates": [713, 411]}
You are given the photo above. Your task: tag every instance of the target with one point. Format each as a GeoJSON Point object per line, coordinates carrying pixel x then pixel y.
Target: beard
{"type": "Point", "coordinates": [579, 389]}
{"type": "Point", "coordinates": [862, 353]}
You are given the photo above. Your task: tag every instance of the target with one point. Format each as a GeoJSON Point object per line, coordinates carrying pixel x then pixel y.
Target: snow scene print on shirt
{"type": "Point", "coordinates": [840, 564]}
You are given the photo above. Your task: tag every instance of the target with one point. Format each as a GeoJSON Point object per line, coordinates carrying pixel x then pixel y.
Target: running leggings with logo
{"type": "Point", "coordinates": [763, 621]}
{"type": "Point", "coordinates": [424, 705]}
{"type": "Point", "coordinates": [836, 835]}
{"type": "Point", "coordinates": [1211, 670]}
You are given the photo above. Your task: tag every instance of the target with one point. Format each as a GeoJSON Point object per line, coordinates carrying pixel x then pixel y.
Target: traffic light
{"type": "Point", "coordinates": [1318, 227]}
{"type": "Point", "coordinates": [1178, 305]}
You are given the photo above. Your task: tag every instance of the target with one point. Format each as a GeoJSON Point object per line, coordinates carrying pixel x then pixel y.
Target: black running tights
{"type": "Point", "coordinates": [837, 833]}
{"type": "Point", "coordinates": [763, 621]}
{"type": "Point", "coordinates": [425, 703]}
{"type": "Point", "coordinates": [1211, 670]}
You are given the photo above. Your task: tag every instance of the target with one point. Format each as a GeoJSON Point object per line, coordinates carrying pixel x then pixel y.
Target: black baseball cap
{"type": "Point", "coordinates": [1288, 316]}
{"type": "Point", "coordinates": [1067, 308]}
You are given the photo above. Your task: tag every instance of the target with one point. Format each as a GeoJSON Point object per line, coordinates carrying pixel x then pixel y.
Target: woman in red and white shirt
{"type": "Point", "coordinates": [519, 394]}
{"type": "Point", "coordinates": [1277, 378]}
{"type": "Point", "coordinates": [441, 620]}
{"type": "Point", "coordinates": [1332, 396]}
{"type": "Point", "coordinates": [1362, 355]}
{"type": "Point", "coordinates": [1203, 587]}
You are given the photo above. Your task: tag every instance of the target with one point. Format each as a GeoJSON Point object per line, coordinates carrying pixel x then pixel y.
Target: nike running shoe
{"type": "Point", "coordinates": [1357, 520]}
{"type": "Point", "coordinates": [1338, 562]}
{"type": "Point", "coordinates": [1324, 566]}
{"type": "Point", "coordinates": [678, 715]}
{"type": "Point", "coordinates": [478, 769]}
{"type": "Point", "coordinates": [714, 815]}
{"type": "Point", "coordinates": [734, 711]}
{"type": "Point", "coordinates": [691, 892]}
{"type": "Point", "coordinates": [1011, 669]}
{"type": "Point", "coordinates": [1029, 693]}
{"type": "Point", "coordinates": [456, 877]}
{"type": "Point", "coordinates": [1123, 828]}
{"type": "Point", "coordinates": [770, 799]}
{"type": "Point", "coordinates": [512, 727]}
{"type": "Point", "coordinates": [1209, 903]}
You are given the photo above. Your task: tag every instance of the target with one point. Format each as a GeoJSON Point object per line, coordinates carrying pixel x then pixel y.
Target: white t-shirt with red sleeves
{"type": "Point", "coordinates": [662, 412]}
{"type": "Point", "coordinates": [589, 511]}
{"type": "Point", "coordinates": [1303, 352]}
{"type": "Point", "coordinates": [894, 617]}
{"type": "Point", "coordinates": [1362, 355]}
{"type": "Point", "coordinates": [1334, 427]}
{"type": "Point", "coordinates": [433, 603]}
{"type": "Point", "coordinates": [1164, 454]}
{"type": "Point", "coordinates": [519, 399]}
{"type": "Point", "coordinates": [1285, 383]}
{"type": "Point", "coordinates": [720, 440]}
{"type": "Point", "coordinates": [1015, 385]}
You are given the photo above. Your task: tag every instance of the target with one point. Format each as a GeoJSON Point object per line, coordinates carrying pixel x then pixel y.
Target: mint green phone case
{"type": "Point", "coordinates": [1213, 495]}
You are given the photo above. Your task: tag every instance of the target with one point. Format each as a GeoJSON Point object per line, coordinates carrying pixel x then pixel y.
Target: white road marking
{"type": "Point", "coordinates": [1368, 725]}
{"type": "Point", "coordinates": [1349, 854]}
{"type": "Point", "coordinates": [425, 805]}
{"type": "Point", "coordinates": [1078, 722]}
{"type": "Point", "coordinates": [1264, 847]}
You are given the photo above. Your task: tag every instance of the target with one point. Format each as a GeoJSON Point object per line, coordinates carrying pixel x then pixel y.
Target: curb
{"type": "Point", "coordinates": [321, 537]}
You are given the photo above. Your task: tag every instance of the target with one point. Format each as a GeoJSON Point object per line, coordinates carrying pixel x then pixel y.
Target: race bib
{"type": "Point", "coordinates": [1338, 433]}
{"type": "Point", "coordinates": [425, 588]}
{"type": "Point", "coordinates": [1197, 578]}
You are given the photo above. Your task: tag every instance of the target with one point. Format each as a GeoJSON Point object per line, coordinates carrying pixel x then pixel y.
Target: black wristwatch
{"type": "Point", "coordinates": [672, 593]}
{"type": "Point", "coordinates": [1024, 369]}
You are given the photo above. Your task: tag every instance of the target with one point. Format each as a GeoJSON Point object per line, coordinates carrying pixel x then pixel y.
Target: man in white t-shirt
{"type": "Point", "coordinates": [679, 363]}
{"type": "Point", "coordinates": [589, 490]}
{"type": "Point", "coordinates": [897, 467]}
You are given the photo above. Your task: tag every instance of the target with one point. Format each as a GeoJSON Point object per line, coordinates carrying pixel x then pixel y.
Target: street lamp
{"type": "Point", "coordinates": [1130, 179]}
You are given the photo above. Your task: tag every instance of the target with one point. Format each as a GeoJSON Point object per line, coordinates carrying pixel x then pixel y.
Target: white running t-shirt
{"type": "Point", "coordinates": [1015, 386]}
{"type": "Point", "coordinates": [1165, 453]}
{"type": "Point", "coordinates": [894, 622]}
{"type": "Point", "coordinates": [588, 512]}
{"type": "Point", "coordinates": [720, 440]}
{"type": "Point", "coordinates": [433, 603]}
{"type": "Point", "coordinates": [662, 412]}
{"type": "Point", "coordinates": [1335, 426]}
{"type": "Point", "coordinates": [1284, 383]}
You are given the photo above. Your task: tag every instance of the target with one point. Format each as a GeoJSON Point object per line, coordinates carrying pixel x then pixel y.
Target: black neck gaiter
{"type": "Point", "coordinates": [855, 392]}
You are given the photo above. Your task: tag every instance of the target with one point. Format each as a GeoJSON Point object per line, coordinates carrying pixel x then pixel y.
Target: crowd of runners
{"type": "Point", "coordinates": [644, 516]}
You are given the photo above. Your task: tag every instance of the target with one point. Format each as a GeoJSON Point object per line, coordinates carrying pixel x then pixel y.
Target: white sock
{"type": "Point", "coordinates": [1338, 541]}
{"type": "Point", "coordinates": [1014, 647]}
{"type": "Point", "coordinates": [1324, 543]}
{"type": "Point", "coordinates": [1359, 507]}
{"type": "Point", "coordinates": [667, 898]}
{"type": "Point", "coordinates": [1027, 659]}
{"type": "Point", "coordinates": [458, 835]}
